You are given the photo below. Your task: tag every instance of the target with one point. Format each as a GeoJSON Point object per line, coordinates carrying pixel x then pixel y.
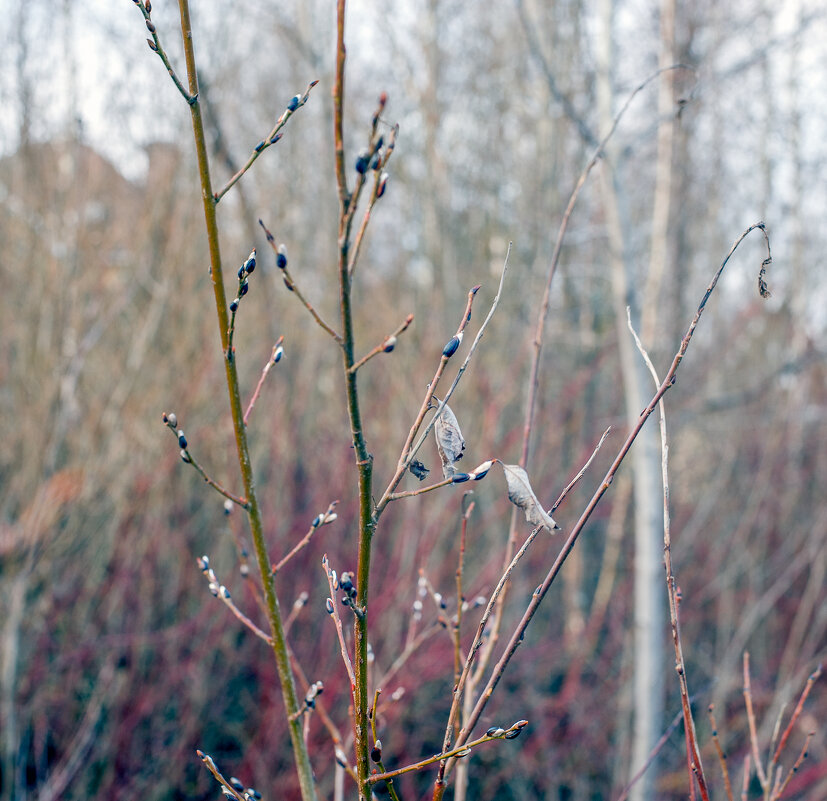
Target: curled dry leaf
{"type": "Point", "coordinates": [449, 441]}
{"type": "Point", "coordinates": [521, 494]}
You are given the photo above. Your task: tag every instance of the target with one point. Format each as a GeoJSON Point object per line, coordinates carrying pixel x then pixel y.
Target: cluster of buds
{"type": "Point", "coordinates": [243, 286]}
{"type": "Point", "coordinates": [325, 517]}
{"type": "Point", "coordinates": [217, 589]}
{"type": "Point", "coordinates": [349, 589]}
{"type": "Point", "coordinates": [507, 734]}
{"type": "Point", "coordinates": [249, 793]}
{"type": "Point", "coordinates": [475, 475]}
{"type": "Point", "coordinates": [370, 157]}
{"type": "Point", "coordinates": [171, 422]}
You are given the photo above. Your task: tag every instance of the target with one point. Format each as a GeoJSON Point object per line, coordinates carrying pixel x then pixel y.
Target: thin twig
{"type": "Point", "coordinates": [745, 782]}
{"type": "Point", "coordinates": [693, 751]}
{"type": "Point", "coordinates": [540, 593]}
{"type": "Point", "coordinates": [275, 357]}
{"type": "Point", "coordinates": [291, 285]}
{"type": "Point", "coordinates": [753, 734]}
{"type": "Point", "coordinates": [385, 346]}
{"type": "Point", "coordinates": [318, 522]}
{"type": "Point", "coordinates": [188, 458]}
{"type": "Point", "coordinates": [271, 139]}
{"type": "Point", "coordinates": [454, 752]}
{"type": "Point", "coordinates": [656, 749]}
{"type": "Point", "coordinates": [229, 790]}
{"type": "Point", "coordinates": [395, 496]}
{"type": "Point", "coordinates": [796, 765]}
{"type": "Point", "coordinates": [466, 514]}
{"type": "Point", "coordinates": [155, 46]}
{"type": "Point", "coordinates": [811, 680]}
{"type": "Point", "coordinates": [720, 752]}
{"type": "Point", "coordinates": [337, 620]}
{"type": "Point", "coordinates": [377, 750]}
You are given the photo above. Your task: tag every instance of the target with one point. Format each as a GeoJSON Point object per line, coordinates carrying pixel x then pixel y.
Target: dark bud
{"type": "Point", "coordinates": [288, 285]}
{"type": "Point", "coordinates": [148, 7]}
{"type": "Point", "coordinates": [241, 272]}
{"type": "Point", "coordinates": [278, 355]}
{"type": "Point", "coordinates": [329, 606]}
{"type": "Point", "coordinates": [150, 27]}
{"type": "Point", "coordinates": [511, 734]}
{"type": "Point", "coordinates": [234, 305]}
{"type": "Point", "coordinates": [460, 478]}
{"type": "Point", "coordinates": [182, 440]}
{"type": "Point", "coordinates": [451, 348]}
{"type": "Point", "coordinates": [185, 457]}
{"type": "Point", "coordinates": [383, 182]}
{"type": "Point", "coordinates": [203, 563]}
{"type": "Point", "coordinates": [259, 147]}
{"type": "Point", "coordinates": [346, 583]}
{"type": "Point", "coordinates": [317, 521]}
{"type": "Point", "coordinates": [419, 469]}
{"type": "Point", "coordinates": [236, 784]}
{"type": "Point", "coordinates": [152, 46]}
{"type": "Point", "coordinates": [243, 289]}
{"type": "Point", "coordinates": [378, 146]}
{"type": "Point", "coordinates": [490, 732]}
{"type": "Point", "coordinates": [376, 162]}
{"type": "Point", "coordinates": [281, 258]}
{"type": "Point", "coordinates": [294, 102]}
{"type": "Point", "coordinates": [376, 751]}
{"type": "Point", "coordinates": [275, 139]}
{"type": "Point", "coordinates": [250, 264]}
{"type": "Point", "coordinates": [362, 161]}
{"type": "Point", "coordinates": [253, 793]}
{"type": "Point", "coordinates": [389, 344]}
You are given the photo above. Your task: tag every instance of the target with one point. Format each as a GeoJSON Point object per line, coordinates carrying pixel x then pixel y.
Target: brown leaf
{"type": "Point", "coordinates": [521, 494]}
{"type": "Point", "coordinates": [449, 441]}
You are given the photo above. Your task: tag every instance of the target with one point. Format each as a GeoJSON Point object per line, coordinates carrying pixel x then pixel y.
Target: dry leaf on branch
{"type": "Point", "coordinates": [521, 494]}
{"type": "Point", "coordinates": [449, 441]}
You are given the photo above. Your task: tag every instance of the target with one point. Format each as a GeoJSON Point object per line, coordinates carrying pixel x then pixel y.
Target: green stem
{"type": "Point", "coordinates": [364, 460]}
{"type": "Point", "coordinates": [280, 650]}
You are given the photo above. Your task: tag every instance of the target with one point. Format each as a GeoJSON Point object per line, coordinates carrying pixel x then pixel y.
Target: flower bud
{"type": "Point", "coordinates": [228, 506]}
{"type": "Point", "coordinates": [451, 347]}
{"type": "Point", "coordinates": [259, 147]}
{"type": "Point", "coordinates": [234, 305]}
{"type": "Point", "coordinates": [281, 257]}
{"type": "Point", "coordinates": [182, 440]}
{"type": "Point", "coordinates": [171, 419]}
{"type": "Point", "coordinates": [389, 344]}
{"type": "Point", "coordinates": [294, 102]}
{"type": "Point", "coordinates": [236, 784]}
{"type": "Point", "coordinates": [376, 751]}
{"type": "Point", "coordinates": [362, 160]}
{"type": "Point", "coordinates": [383, 182]}
{"type": "Point", "coordinates": [328, 604]}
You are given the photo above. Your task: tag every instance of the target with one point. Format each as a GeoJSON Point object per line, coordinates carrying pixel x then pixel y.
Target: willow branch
{"type": "Point", "coordinates": [290, 283]}
{"type": "Point", "coordinates": [543, 589]}
{"type": "Point", "coordinates": [385, 346]}
{"type": "Point", "coordinates": [274, 136]}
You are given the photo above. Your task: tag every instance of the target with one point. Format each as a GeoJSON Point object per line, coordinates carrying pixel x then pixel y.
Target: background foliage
{"type": "Point", "coordinates": [117, 664]}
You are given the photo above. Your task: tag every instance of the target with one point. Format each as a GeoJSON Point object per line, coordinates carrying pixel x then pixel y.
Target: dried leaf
{"type": "Point", "coordinates": [419, 469]}
{"type": "Point", "coordinates": [449, 441]}
{"type": "Point", "coordinates": [521, 494]}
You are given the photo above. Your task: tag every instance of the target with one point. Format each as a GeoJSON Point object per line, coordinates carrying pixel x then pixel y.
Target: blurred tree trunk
{"type": "Point", "coordinates": [648, 606]}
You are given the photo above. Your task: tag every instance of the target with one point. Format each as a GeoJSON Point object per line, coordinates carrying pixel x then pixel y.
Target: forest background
{"type": "Point", "coordinates": [116, 661]}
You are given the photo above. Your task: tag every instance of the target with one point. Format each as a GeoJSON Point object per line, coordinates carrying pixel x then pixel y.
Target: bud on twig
{"type": "Point", "coordinates": [451, 347]}
{"type": "Point", "coordinates": [362, 161]}
{"type": "Point", "coordinates": [376, 751]}
{"type": "Point", "coordinates": [281, 259]}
